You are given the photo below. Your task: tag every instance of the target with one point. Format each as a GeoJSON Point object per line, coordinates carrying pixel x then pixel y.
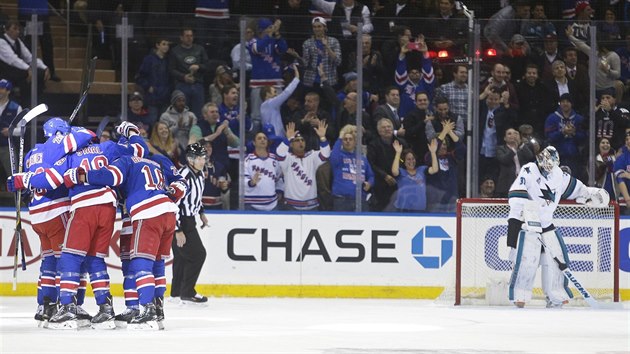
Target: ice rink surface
{"type": "Point", "coordinates": [339, 326]}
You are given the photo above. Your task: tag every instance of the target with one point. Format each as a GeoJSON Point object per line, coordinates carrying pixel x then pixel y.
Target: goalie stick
{"type": "Point", "coordinates": [20, 121]}
{"type": "Point", "coordinates": [83, 97]}
{"type": "Point", "coordinates": [583, 291]}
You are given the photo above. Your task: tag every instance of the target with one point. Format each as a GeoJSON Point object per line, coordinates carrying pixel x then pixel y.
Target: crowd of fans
{"type": "Point", "coordinates": [301, 84]}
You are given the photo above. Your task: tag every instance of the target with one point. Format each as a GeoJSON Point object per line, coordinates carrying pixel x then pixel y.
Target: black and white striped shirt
{"type": "Point", "coordinates": [191, 204]}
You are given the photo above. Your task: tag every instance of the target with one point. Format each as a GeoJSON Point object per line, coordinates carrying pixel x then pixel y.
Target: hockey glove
{"type": "Point", "coordinates": [127, 129]}
{"type": "Point", "coordinates": [176, 191]}
{"type": "Point", "coordinates": [73, 176]}
{"type": "Point", "coordinates": [19, 181]}
{"type": "Point", "coordinates": [598, 197]}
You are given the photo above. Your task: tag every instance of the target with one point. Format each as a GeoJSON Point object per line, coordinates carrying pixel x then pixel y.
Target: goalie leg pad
{"type": "Point", "coordinates": [525, 267]}
{"type": "Point", "coordinates": [554, 284]}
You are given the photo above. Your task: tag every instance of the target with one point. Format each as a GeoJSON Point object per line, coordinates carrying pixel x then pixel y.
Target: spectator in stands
{"type": "Point", "coordinates": [608, 64]}
{"type": "Point", "coordinates": [344, 166]}
{"type": "Point", "coordinates": [235, 53]}
{"type": "Point", "coordinates": [538, 27]}
{"type": "Point", "coordinates": [345, 16]}
{"type": "Point", "coordinates": [153, 77]}
{"type": "Point", "coordinates": [505, 23]}
{"type": "Point", "coordinates": [9, 109]}
{"type": "Point", "coordinates": [410, 79]}
{"type": "Point", "coordinates": [272, 101]}
{"type": "Point", "coordinates": [373, 70]}
{"type": "Point", "coordinates": [266, 51]}
{"type": "Point", "coordinates": [390, 50]}
{"type": "Point", "coordinates": [346, 111]}
{"type": "Point", "coordinates": [624, 57]}
{"type": "Point", "coordinates": [609, 120]}
{"type": "Point", "coordinates": [622, 173]}
{"type": "Point", "coordinates": [211, 22]}
{"type": "Point", "coordinates": [534, 99]}
{"type": "Point", "coordinates": [495, 116]}
{"type": "Point", "coordinates": [263, 176]}
{"type": "Point", "coordinates": [396, 15]}
{"type": "Point", "coordinates": [560, 84]}
{"type": "Point", "coordinates": [547, 56]}
{"type": "Point", "coordinates": [563, 130]}
{"type": "Point", "coordinates": [528, 135]}
{"type": "Point", "coordinates": [26, 8]}
{"type": "Point", "coordinates": [138, 114]}
{"type": "Point", "coordinates": [517, 56]}
{"type": "Point", "coordinates": [188, 64]}
{"type": "Point", "coordinates": [500, 80]}
{"type": "Point", "coordinates": [222, 77]}
{"type": "Point", "coordinates": [320, 49]}
{"type": "Point", "coordinates": [411, 196]}
{"type": "Point", "coordinates": [308, 119]}
{"type": "Point", "coordinates": [577, 73]}
{"type": "Point", "coordinates": [609, 28]}
{"type": "Point", "coordinates": [447, 29]}
{"type": "Point", "coordinates": [15, 62]}
{"type": "Point", "coordinates": [219, 135]}
{"type": "Point", "coordinates": [415, 125]}
{"type": "Point", "coordinates": [179, 119]}
{"type": "Point", "coordinates": [217, 182]}
{"type": "Point", "coordinates": [106, 135]}
{"type": "Point", "coordinates": [445, 125]}
{"type": "Point", "coordinates": [299, 168]}
{"type": "Point", "coordinates": [391, 110]}
{"type": "Point", "coordinates": [487, 187]}
{"type": "Point", "coordinates": [456, 92]}
{"type": "Point", "coordinates": [381, 156]}
{"type": "Point", "coordinates": [510, 157]}
{"type": "Point", "coordinates": [604, 168]}
{"type": "Point", "coordinates": [294, 15]}
{"type": "Point", "coordinates": [583, 15]}
{"type": "Point", "coordinates": [162, 142]}
{"type": "Point", "coordinates": [442, 187]}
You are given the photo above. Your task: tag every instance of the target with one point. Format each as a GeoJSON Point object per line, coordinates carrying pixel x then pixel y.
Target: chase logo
{"type": "Point", "coordinates": [432, 247]}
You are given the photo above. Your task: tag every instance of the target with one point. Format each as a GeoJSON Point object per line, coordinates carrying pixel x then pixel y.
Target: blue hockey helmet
{"type": "Point", "coordinates": [54, 125]}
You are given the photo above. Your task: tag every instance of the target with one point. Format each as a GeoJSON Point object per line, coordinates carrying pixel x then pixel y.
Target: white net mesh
{"type": "Point", "coordinates": [485, 269]}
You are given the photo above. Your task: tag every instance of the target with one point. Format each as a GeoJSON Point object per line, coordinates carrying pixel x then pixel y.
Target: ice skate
{"type": "Point", "coordinates": [146, 321]}
{"type": "Point", "coordinates": [553, 305]}
{"type": "Point", "coordinates": [65, 318]}
{"type": "Point", "coordinates": [50, 309]}
{"type": "Point", "coordinates": [83, 317]}
{"type": "Point", "coordinates": [123, 319]}
{"type": "Point", "coordinates": [104, 319]}
{"type": "Point", "coordinates": [39, 315]}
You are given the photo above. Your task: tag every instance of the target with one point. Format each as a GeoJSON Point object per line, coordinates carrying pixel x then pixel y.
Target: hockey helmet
{"type": "Point", "coordinates": [54, 125]}
{"type": "Point", "coordinates": [547, 159]}
{"type": "Point", "coordinates": [195, 149]}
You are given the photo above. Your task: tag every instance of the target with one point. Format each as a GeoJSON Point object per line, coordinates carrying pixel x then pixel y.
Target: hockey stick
{"type": "Point", "coordinates": [583, 291]}
{"type": "Point", "coordinates": [101, 126]}
{"type": "Point", "coordinates": [21, 121]}
{"type": "Point", "coordinates": [83, 97]}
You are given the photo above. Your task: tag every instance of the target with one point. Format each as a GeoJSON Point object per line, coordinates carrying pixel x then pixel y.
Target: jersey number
{"type": "Point", "coordinates": [94, 164]}
{"type": "Point", "coordinates": [152, 183]}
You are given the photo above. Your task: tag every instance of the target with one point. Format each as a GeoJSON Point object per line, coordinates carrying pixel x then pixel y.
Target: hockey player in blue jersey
{"type": "Point", "coordinates": [49, 211]}
{"type": "Point", "coordinates": [152, 211]}
{"type": "Point", "coordinates": [93, 212]}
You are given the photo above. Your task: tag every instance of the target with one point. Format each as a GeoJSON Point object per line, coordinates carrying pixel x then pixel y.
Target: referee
{"type": "Point", "coordinates": [188, 251]}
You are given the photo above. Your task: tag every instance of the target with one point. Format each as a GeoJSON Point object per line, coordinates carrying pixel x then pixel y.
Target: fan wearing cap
{"type": "Point", "coordinates": [299, 167]}
{"type": "Point", "coordinates": [266, 51]}
{"type": "Point", "coordinates": [320, 49]}
{"type": "Point", "coordinates": [8, 110]}
{"type": "Point", "coordinates": [139, 115]}
{"type": "Point", "coordinates": [564, 130]}
{"type": "Point", "coordinates": [346, 15]}
{"type": "Point", "coordinates": [222, 78]}
{"type": "Point", "coordinates": [505, 23]}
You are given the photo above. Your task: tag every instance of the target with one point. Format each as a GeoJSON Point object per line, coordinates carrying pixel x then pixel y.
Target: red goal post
{"type": "Point", "coordinates": [590, 233]}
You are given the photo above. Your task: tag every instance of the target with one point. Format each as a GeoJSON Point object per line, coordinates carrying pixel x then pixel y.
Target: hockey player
{"type": "Point", "coordinates": [49, 211]}
{"type": "Point", "coordinates": [533, 198]}
{"type": "Point", "coordinates": [90, 226]}
{"type": "Point", "coordinates": [299, 168]}
{"type": "Point", "coordinates": [142, 182]}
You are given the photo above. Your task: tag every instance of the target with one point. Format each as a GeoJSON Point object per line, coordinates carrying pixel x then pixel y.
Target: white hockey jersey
{"type": "Point", "coordinates": [264, 195]}
{"type": "Point", "coordinates": [546, 192]}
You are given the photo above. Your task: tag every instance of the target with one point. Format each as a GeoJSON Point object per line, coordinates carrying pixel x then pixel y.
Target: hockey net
{"type": "Point", "coordinates": [482, 266]}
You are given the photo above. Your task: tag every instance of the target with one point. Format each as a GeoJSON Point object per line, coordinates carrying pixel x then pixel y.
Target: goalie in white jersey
{"type": "Point", "coordinates": [533, 198]}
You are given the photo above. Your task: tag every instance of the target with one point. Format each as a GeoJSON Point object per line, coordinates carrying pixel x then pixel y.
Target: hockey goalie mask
{"type": "Point", "coordinates": [54, 125]}
{"type": "Point", "coordinates": [547, 160]}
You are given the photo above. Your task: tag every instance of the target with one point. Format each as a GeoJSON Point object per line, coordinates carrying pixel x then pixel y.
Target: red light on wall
{"type": "Point", "coordinates": [442, 54]}
{"type": "Point", "coordinates": [491, 52]}
{"type": "Point", "coordinates": [432, 54]}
